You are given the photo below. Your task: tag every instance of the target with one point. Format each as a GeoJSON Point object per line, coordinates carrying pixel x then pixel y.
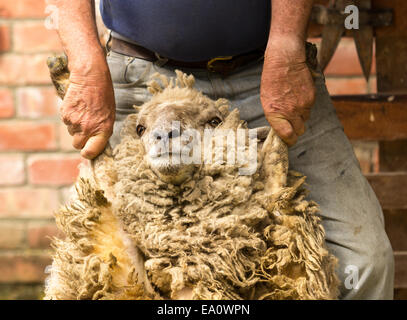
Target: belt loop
{"type": "Point", "coordinates": [160, 60]}
{"type": "Point", "coordinates": [108, 43]}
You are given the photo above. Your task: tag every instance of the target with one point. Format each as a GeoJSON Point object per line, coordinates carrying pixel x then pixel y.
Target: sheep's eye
{"type": "Point", "coordinates": [140, 130]}
{"type": "Point", "coordinates": [215, 122]}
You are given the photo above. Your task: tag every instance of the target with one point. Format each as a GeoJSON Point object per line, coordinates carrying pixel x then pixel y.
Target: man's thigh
{"type": "Point", "coordinates": [352, 216]}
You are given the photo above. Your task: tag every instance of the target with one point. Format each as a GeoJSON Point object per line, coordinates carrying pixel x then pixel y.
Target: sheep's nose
{"type": "Point", "coordinates": [173, 134]}
{"type": "Point", "coordinates": [158, 135]}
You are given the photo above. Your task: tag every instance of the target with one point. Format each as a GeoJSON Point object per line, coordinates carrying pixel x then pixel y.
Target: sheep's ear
{"type": "Point", "coordinates": [232, 120]}
{"type": "Point", "coordinates": [223, 106]}
{"type": "Point", "coordinates": [137, 108]}
{"type": "Point", "coordinates": [262, 134]}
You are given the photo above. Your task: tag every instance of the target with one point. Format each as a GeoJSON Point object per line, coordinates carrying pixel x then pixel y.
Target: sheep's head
{"type": "Point", "coordinates": [172, 123]}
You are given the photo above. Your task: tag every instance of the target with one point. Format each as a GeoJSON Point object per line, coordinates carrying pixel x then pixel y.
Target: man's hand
{"type": "Point", "coordinates": [88, 109]}
{"type": "Point", "coordinates": [287, 88]}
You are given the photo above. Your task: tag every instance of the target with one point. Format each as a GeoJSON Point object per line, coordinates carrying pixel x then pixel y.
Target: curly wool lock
{"type": "Point", "coordinates": [130, 234]}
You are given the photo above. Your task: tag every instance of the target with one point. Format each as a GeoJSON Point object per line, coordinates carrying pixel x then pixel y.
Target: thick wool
{"type": "Point", "coordinates": [222, 234]}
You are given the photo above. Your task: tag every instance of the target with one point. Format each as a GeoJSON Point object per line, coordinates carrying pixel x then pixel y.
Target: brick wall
{"type": "Point", "coordinates": [37, 162]}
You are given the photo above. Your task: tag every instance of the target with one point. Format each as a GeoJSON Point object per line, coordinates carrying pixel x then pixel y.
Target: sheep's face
{"type": "Point", "coordinates": [172, 132]}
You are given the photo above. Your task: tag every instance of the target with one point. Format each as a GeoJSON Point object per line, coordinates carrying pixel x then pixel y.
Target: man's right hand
{"type": "Point", "coordinates": [88, 109]}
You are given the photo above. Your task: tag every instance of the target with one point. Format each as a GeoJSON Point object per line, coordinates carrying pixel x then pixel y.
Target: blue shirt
{"type": "Point", "coordinates": [191, 30]}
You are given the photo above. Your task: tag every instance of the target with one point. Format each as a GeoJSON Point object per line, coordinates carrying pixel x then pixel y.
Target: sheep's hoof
{"type": "Point", "coordinates": [58, 64]}
{"type": "Point", "coordinates": [58, 68]}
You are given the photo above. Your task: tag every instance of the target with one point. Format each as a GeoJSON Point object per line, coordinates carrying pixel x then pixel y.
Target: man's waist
{"type": "Point", "coordinates": [222, 64]}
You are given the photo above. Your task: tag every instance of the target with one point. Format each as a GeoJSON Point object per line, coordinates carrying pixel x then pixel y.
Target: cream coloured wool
{"type": "Point", "coordinates": [139, 228]}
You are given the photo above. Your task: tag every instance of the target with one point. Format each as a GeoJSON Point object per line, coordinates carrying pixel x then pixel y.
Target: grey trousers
{"type": "Point", "coordinates": [351, 213]}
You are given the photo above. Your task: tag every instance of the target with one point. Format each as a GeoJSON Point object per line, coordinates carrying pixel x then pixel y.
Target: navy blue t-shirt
{"type": "Point", "coordinates": [191, 30]}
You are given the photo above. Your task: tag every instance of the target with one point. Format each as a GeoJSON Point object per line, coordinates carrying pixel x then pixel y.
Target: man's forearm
{"type": "Point", "coordinates": [290, 18]}
{"type": "Point", "coordinates": [78, 33]}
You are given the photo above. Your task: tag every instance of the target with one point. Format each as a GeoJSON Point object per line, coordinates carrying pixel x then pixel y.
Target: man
{"type": "Point", "coordinates": [164, 35]}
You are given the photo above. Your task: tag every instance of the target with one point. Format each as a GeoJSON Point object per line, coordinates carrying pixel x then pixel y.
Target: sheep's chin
{"type": "Point", "coordinates": [172, 173]}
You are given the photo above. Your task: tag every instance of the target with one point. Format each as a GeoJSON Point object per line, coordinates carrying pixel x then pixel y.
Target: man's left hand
{"type": "Point", "coordinates": [287, 88]}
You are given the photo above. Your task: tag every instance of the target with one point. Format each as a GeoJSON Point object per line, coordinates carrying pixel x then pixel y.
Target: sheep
{"type": "Point", "coordinates": [143, 227]}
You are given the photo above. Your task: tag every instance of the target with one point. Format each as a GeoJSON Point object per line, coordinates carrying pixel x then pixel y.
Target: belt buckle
{"type": "Point", "coordinates": [210, 65]}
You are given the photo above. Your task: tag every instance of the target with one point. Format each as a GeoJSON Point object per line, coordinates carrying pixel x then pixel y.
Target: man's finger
{"type": "Point", "coordinates": [298, 125]}
{"type": "Point", "coordinates": [65, 119]}
{"type": "Point", "coordinates": [283, 128]}
{"type": "Point", "coordinates": [94, 146]}
{"type": "Point", "coordinates": [71, 131]}
{"type": "Point", "coordinates": [74, 129]}
{"type": "Point", "coordinates": [79, 141]}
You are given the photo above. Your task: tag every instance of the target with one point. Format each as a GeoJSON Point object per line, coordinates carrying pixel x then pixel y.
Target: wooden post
{"type": "Point", "coordinates": [391, 66]}
{"type": "Point", "coordinates": [383, 118]}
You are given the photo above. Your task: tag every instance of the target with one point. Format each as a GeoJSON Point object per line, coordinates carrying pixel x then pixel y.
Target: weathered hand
{"type": "Point", "coordinates": [88, 110]}
{"type": "Point", "coordinates": [287, 88]}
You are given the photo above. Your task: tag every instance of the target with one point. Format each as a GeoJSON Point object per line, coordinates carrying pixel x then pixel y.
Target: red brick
{"type": "Point", "coordinates": [12, 234]}
{"type": "Point", "coordinates": [34, 37]}
{"type": "Point", "coordinates": [37, 102]}
{"type": "Point", "coordinates": [6, 103]}
{"type": "Point", "coordinates": [338, 86]}
{"type": "Point", "coordinates": [28, 202]}
{"type": "Point", "coordinates": [27, 136]}
{"type": "Point", "coordinates": [11, 170]}
{"type": "Point", "coordinates": [345, 61]}
{"type": "Point", "coordinates": [24, 69]}
{"type": "Point", "coordinates": [23, 268]}
{"type": "Point", "coordinates": [53, 170]}
{"type": "Point", "coordinates": [4, 38]}
{"type": "Point", "coordinates": [22, 8]}
{"type": "Point", "coordinates": [39, 234]}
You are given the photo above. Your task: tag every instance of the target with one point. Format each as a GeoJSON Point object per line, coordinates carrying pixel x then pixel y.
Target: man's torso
{"type": "Point", "coordinates": [190, 30]}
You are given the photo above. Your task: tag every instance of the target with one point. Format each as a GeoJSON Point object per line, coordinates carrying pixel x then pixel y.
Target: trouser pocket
{"type": "Point", "coordinates": [128, 71]}
{"type": "Point", "coordinates": [130, 76]}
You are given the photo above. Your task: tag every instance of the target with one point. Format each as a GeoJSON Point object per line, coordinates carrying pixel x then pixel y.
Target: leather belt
{"type": "Point", "coordinates": [221, 65]}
